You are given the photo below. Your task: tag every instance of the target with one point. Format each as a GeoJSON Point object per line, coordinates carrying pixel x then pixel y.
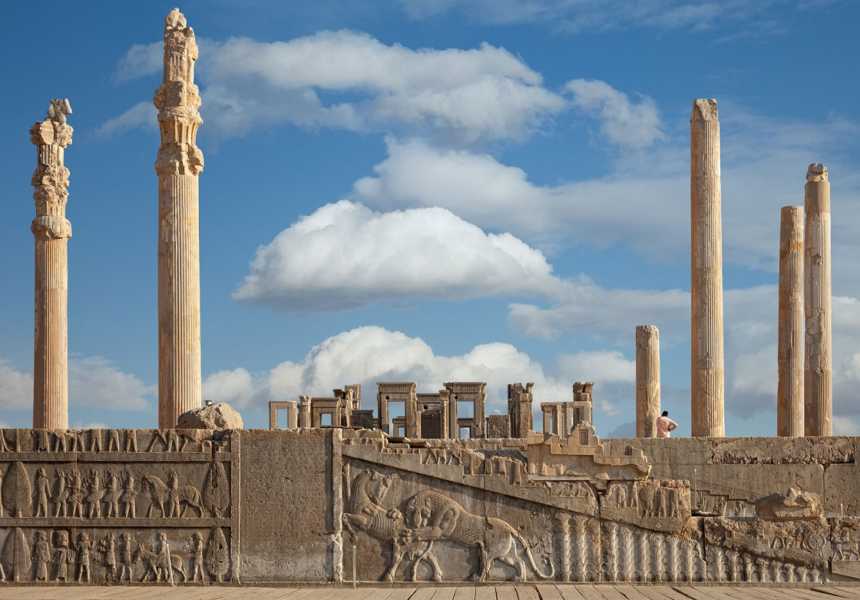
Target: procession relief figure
{"type": "Point", "coordinates": [95, 440]}
{"type": "Point", "coordinates": [196, 548]}
{"type": "Point", "coordinates": [41, 440]}
{"type": "Point", "coordinates": [113, 441]}
{"type": "Point", "coordinates": [129, 496]}
{"type": "Point", "coordinates": [126, 560]}
{"type": "Point", "coordinates": [76, 493]}
{"type": "Point", "coordinates": [112, 494]}
{"type": "Point", "coordinates": [94, 498]}
{"type": "Point", "coordinates": [130, 440]}
{"type": "Point", "coordinates": [43, 492]}
{"type": "Point", "coordinates": [108, 548]}
{"type": "Point", "coordinates": [62, 496]}
{"type": "Point", "coordinates": [85, 548]}
{"type": "Point", "coordinates": [173, 495]}
{"type": "Point", "coordinates": [164, 564]}
{"type": "Point", "coordinates": [41, 556]}
{"type": "Point", "coordinates": [4, 447]}
{"type": "Point", "coordinates": [63, 556]}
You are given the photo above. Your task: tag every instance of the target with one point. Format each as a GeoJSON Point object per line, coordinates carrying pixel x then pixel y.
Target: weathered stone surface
{"type": "Point", "coordinates": [818, 374]}
{"type": "Point", "coordinates": [706, 286]}
{"type": "Point", "coordinates": [52, 231]}
{"type": "Point", "coordinates": [647, 380]}
{"type": "Point", "coordinates": [178, 166]}
{"type": "Point", "coordinates": [287, 502]}
{"type": "Point", "coordinates": [842, 489]}
{"type": "Point", "coordinates": [791, 505]}
{"type": "Point", "coordinates": [789, 408]}
{"type": "Point", "coordinates": [218, 416]}
{"type": "Point", "coordinates": [177, 506]}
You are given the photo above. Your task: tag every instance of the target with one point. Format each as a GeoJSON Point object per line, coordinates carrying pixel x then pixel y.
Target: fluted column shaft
{"type": "Point", "coordinates": [51, 231]}
{"type": "Point", "coordinates": [818, 369]}
{"type": "Point", "coordinates": [647, 380]}
{"type": "Point", "coordinates": [180, 384]}
{"type": "Point", "coordinates": [178, 165]}
{"type": "Point", "coordinates": [789, 412]}
{"type": "Point", "coordinates": [706, 290]}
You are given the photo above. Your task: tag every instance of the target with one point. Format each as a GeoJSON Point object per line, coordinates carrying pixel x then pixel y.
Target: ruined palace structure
{"type": "Point", "coordinates": [51, 230]}
{"type": "Point", "coordinates": [430, 488]}
{"type": "Point", "coordinates": [178, 166]}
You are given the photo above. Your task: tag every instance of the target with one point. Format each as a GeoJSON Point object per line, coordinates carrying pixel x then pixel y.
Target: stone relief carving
{"type": "Point", "coordinates": [175, 496]}
{"type": "Point", "coordinates": [794, 504]}
{"type": "Point", "coordinates": [114, 557]}
{"type": "Point", "coordinates": [656, 505]}
{"type": "Point", "coordinates": [63, 507]}
{"type": "Point", "coordinates": [17, 492]}
{"type": "Point", "coordinates": [429, 517]}
{"type": "Point", "coordinates": [367, 514]}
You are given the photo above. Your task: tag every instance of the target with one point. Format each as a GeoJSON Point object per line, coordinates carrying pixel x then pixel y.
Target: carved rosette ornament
{"type": "Point", "coordinates": [178, 164]}
{"type": "Point", "coordinates": [52, 231]}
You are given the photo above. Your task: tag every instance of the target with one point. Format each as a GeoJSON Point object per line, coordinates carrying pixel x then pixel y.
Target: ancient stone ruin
{"type": "Point", "coordinates": [428, 488]}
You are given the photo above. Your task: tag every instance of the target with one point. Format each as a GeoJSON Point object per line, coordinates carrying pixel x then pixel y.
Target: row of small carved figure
{"type": "Point", "coordinates": [84, 497]}
{"type": "Point", "coordinates": [72, 560]}
{"type": "Point", "coordinates": [647, 500]}
{"type": "Point", "coordinates": [44, 440]}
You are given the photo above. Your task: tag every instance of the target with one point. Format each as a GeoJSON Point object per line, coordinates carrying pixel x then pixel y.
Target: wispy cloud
{"type": "Point", "coordinates": [463, 95]}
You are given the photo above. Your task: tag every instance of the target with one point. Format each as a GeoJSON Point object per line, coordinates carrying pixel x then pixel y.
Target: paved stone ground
{"type": "Point", "coordinates": [508, 592]}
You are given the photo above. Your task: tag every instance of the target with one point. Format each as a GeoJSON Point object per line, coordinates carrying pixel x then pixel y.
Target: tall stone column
{"type": "Point", "coordinates": [706, 285]}
{"type": "Point", "coordinates": [647, 380]}
{"type": "Point", "coordinates": [178, 165]}
{"type": "Point", "coordinates": [818, 374]}
{"type": "Point", "coordinates": [789, 410]}
{"type": "Point", "coordinates": [51, 230]}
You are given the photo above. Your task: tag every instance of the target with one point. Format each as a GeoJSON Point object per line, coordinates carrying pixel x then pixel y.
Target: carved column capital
{"type": "Point", "coordinates": [51, 227]}
{"type": "Point", "coordinates": [51, 177]}
{"type": "Point", "coordinates": [178, 101]}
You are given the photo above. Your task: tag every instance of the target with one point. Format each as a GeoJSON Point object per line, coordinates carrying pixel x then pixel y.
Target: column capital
{"type": "Point", "coordinates": [705, 109]}
{"type": "Point", "coordinates": [817, 172]}
{"type": "Point", "coordinates": [51, 177]}
{"type": "Point", "coordinates": [51, 227]}
{"type": "Point", "coordinates": [178, 101]}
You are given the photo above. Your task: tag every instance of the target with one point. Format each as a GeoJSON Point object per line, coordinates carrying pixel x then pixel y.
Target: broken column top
{"type": "Point", "coordinates": [817, 172]}
{"type": "Point", "coordinates": [705, 109]}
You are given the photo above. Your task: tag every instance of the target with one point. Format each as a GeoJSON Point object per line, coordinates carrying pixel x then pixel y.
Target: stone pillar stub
{"type": "Point", "coordinates": [818, 353]}
{"type": "Point", "coordinates": [178, 166]}
{"type": "Point", "coordinates": [647, 380]}
{"type": "Point", "coordinates": [790, 342]}
{"type": "Point", "coordinates": [706, 281]}
{"type": "Point", "coordinates": [51, 231]}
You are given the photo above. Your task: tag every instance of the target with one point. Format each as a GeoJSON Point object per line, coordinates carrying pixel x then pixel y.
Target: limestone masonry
{"type": "Point", "coordinates": [429, 488]}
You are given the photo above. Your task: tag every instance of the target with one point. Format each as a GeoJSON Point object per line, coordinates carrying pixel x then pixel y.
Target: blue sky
{"type": "Point", "coordinates": [432, 190]}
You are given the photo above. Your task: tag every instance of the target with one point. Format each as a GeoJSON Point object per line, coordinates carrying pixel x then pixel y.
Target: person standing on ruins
{"type": "Point", "coordinates": [665, 425]}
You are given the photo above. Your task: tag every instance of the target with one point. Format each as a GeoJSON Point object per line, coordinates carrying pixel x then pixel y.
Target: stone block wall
{"type": "Point", "coordinates": [328, 505]}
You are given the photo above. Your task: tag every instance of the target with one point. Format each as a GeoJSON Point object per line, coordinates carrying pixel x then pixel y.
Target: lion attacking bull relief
{"type": "Point", "coordinates": [430, 517]}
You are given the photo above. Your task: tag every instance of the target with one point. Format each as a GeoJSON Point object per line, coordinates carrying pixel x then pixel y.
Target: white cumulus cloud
{"type": "Point", "coordinates": [371, 354]}
{"type": "Point", "coordinates": [94, 382]}
{"type": "Point", "coordinates": [345, 254]}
